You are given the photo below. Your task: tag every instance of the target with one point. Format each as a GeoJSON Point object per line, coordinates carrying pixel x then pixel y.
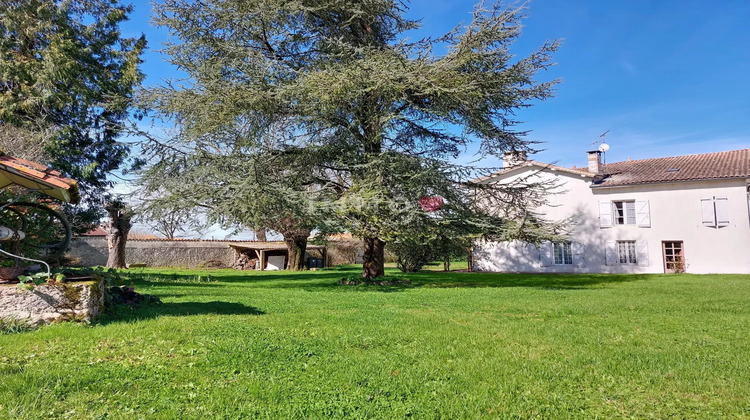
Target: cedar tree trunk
{"type": "Point", "coordinates": [117, 229]}
{"type": "Point", "coordinates": [260, 234]}
{"type": "Point", "coordinates": [374, 258]}
{"type": "Point", "coordinates": [295, 237]}
{"type": "Point", "coordinates": [296, 246]}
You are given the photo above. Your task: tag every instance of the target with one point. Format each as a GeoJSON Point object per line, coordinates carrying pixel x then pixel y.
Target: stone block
{"type": "Point", "coordinates": [80, 301]}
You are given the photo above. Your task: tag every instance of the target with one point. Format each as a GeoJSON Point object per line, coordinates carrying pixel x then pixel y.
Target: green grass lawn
{"type": "Point", "coordinates": [449, 345]}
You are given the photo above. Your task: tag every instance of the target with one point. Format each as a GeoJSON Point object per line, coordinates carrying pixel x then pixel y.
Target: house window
{"type": "Point", "coordinates": [715, 211]}
{"type": "Point", "coordinates": [626, 252]}
{"type": "Point", "coordinates": [563, 253]}
{"type": "Point", "coordinates": [624, 212]}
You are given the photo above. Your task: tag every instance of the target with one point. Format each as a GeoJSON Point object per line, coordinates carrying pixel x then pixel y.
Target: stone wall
{"type": "Point", "coordinates": [348, 251]}
{"type": "Point", "coordinates": [52, 303]}
{"type": "Point", "coordinates": [155, 253]}
{"type": "Point", "coordinates": [351, 251]}
{"type": "Point", "coordinates": [92, 251]}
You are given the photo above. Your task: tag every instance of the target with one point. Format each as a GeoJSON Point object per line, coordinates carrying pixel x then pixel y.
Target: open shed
{"type": "Point", "coordinates": [265, 252]}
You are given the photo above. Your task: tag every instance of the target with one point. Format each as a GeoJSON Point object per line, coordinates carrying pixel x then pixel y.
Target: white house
{"type": "Point", "coordinates": [688, 213]}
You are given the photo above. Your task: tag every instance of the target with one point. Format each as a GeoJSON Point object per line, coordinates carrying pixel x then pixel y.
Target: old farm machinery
{"type": "Point", "coordinates": [32, 230]}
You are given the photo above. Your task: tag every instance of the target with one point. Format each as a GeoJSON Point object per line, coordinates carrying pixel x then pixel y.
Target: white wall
{"type": "Point", "coordinates": [675, 213]}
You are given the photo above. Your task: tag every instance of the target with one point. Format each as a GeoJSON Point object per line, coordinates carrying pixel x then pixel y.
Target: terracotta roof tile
{"type": "Point", "coordinates": [38, 177]}
{"type": "Point", "coordinates": [720, 165]}
{"type": "Point", "coordinates": [143, 237]}
{"type": "Point", "coordinates": [97, 231]}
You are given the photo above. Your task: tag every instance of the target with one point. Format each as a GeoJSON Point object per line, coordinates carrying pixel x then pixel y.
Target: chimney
{"type": "Point", "coordinates": [595, 161]}
{"type": "Point", "coordinates": [513, 158]}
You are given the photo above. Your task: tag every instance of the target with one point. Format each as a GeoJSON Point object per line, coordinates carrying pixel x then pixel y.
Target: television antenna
{"type": "Point", "coordinates": [603, 146]}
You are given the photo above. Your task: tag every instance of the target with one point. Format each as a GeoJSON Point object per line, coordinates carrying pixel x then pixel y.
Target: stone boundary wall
{"type": "Point", "coordinates": [92, 251]}
{"type": "Point", "coordinates": [79, 301]}
{"type": "Point", "coordinates": [344, 252]}
{"type": "Point", "coordinates": [351, 251]}
{"type": "Point", "coordinates": [154, 253]}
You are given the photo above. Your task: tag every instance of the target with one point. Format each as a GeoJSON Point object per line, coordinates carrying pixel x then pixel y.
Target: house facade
{"type": "Point", "coordinates": [684, 213]}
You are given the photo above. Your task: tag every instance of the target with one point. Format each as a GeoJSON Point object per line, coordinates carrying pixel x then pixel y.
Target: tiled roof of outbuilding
{"type": "Point", "coordinates": [37, 177]}
{"type": "Point", "coordinates": [720, 165]}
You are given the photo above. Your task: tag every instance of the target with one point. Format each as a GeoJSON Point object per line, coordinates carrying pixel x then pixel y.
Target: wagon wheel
{"type": "Point", "coordinates": [45, 228]}
{"type": "Point", "coordinates": [14, 220]}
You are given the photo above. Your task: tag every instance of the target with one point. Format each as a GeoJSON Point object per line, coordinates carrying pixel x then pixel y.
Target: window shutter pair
{"type": "Point", "coordinates": [715, 211]}
{"type": "Point", "coordinates": [641, 253]}
{"type": "Point", "coordinates": [547, 257]}
{"type": "Point", "coordinates": [642, 214]}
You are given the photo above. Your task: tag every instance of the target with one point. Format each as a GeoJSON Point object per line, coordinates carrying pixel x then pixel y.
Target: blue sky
{"type": "Point", "coordinates": [664, 77]}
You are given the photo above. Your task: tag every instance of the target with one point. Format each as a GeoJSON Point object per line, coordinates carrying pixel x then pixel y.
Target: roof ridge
{"type": "Point", "coordinates": [531, 162]}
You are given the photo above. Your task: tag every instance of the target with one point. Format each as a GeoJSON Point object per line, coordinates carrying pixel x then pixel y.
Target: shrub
{"type": "Point", "coordinates": [411, 254]}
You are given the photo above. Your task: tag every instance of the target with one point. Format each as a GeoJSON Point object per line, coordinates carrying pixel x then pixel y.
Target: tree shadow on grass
{"type": "Point", "coordinates": [479, 280]}
{"type": "Point", "coordinates": [224, 279]}
{"type": "Point", "coordinates": [533, 280]}
{"type": "Point", "coordinates": [327, 279]}
{"type": "Point", "coordinates": [188, 280]}
{"type": "Point", "coordinates": [124, 313]}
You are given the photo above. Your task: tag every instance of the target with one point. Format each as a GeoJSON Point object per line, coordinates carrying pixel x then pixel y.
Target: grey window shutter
{"type": "Point", "coordinates": [722, 211]}
{"type": "Point", "coordinates": [578, 254]}
{"type": "Point", "coordinates": [610, 253]}
{"type": "Point", "coordinates": [707, 210]}
{"type": "Point", "coordinates": [605, 214]}
{"type": "Point", "coordinates": [643, 213]}
{"type": "Point", "coordinates": [641, 252]}
{"type": "Point", "coordinates": [545, 254]}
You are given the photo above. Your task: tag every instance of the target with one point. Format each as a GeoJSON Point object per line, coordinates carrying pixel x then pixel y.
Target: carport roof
{"type": "Point", "coordinates": [268, 246]}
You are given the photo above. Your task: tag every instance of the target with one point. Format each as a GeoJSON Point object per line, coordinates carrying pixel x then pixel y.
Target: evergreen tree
{"type": "Point", "coordinates": [67, 79]}
{"type": "Point", "coordinates": [381, 118]}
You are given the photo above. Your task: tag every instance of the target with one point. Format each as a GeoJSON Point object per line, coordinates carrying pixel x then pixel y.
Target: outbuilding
{"type": "Point", "coordinates": [273, 255]}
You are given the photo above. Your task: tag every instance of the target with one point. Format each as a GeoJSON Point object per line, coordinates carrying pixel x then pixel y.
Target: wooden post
{"type": "Point", "coordinates": [262, 259]}
{"type": "Point", "coordinates": [257, 255]}
{"type": "Point", "coordinates": [324, 251]}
